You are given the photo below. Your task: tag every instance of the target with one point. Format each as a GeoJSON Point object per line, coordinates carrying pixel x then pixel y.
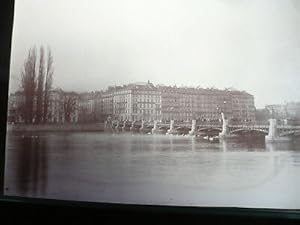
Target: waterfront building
{"type": "Point", "coordinates": [243, 109]}
{"type": "Point", "coordinates": [15, 107]}
{"type": "Point", "coordinates": [98, 106]}
{"type": "Point", "coordinates": [144, 101]}
{"type": "Point", "coordinates": [138, 101]}
{"type": "Point", "coordinates": [186, 104]}
{"type": "Point", "coordinates": [55, 107]}
{"type": "Point", "coordinates": [107, 102]}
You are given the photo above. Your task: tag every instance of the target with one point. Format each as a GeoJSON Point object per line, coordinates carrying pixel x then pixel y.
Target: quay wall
{"type": "Point", "coordinates": [55, 127]}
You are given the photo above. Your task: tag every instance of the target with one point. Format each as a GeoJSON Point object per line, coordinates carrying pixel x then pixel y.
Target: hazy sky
{"type": "Point", "coordinates": [252, 45]}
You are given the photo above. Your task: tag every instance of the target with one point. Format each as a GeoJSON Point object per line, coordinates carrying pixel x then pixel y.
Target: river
{"type": "Point", "coordinates": [153, 169]}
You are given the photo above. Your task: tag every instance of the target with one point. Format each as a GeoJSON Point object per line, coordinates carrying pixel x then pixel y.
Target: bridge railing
{"type": "Point", "coordinates": [212, 124]}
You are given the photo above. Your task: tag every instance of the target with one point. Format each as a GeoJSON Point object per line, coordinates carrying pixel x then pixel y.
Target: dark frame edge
{"type": "Point", "coordinates": [151, 210]}
{"type": "Point", "coordinates": [6, 28]}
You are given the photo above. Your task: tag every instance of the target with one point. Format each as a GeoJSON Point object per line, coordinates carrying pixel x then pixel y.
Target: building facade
{"type": "Point", "coordinates": [139, 101]}
{"type": "Point", "coordinates": [55, 107]}
{"type": "Point", "coordinates": [144, 101]}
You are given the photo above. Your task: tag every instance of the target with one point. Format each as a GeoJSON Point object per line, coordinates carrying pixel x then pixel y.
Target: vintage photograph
{"type": "Point", "coordinates": [161, 102]}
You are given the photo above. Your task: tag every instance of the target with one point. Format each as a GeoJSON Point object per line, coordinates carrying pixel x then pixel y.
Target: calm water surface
{"type": "Point", "coordinates": [153, 169]}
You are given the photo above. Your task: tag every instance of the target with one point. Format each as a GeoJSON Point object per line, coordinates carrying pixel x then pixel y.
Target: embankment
{"type": "Point", "coordinates": [55, 127]}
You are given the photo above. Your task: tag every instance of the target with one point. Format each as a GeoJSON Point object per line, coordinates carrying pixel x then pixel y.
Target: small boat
{"type": "Point", "coordinates": [214, 139]}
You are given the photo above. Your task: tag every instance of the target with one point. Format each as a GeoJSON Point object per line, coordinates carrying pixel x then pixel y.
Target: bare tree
{"type": "Point", "coordinates": [40, 87]}
{"type": "Point", "coordinates": [48, 84]}
{"type": "Point", "coordinates": [28, 76]}
{"type": "Point", "coordinates": [70, 106]}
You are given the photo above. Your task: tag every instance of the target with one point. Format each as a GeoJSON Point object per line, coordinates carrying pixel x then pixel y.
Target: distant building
{"type": "Point", "coordinates": [293, 110]}
{"type": "Point", "coordinates": [98, 105]}
{"type": "Point", "coordinates": [70, 107]}
{"type": "Point", "coordinates": [262, 116]}
{"type": "Point", "coordinates": [289, 110]}
{"type": "Point", "coordinates": [15, 107]}
{"type": "Point", "coordinates": [108, 102]}
{"type": "Point", "coordinates": [277, 111]}
{"type": "Point", "coordinates": [56, 107]}
{"type": "Point", "coordinates": [90, 107]}
{"type": "Point", "coordinates": [243, 107]}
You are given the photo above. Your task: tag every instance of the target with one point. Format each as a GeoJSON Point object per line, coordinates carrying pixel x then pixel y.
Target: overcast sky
{"type": "Point", "coordinates": [251, 45]}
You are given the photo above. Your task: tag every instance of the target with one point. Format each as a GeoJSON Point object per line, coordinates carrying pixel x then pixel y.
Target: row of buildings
{"type": "Point", "coordinates": [145, 101]}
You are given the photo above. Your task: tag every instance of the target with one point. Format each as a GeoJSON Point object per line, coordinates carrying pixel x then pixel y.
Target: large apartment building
{"type": "Point", "coordinates": [132, 102]}
{"type": "Point", "coordinates": [148, 102]}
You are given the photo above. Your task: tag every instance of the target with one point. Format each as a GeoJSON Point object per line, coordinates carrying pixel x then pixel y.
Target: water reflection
{"type": "Point", "coordinates": [31, 165]}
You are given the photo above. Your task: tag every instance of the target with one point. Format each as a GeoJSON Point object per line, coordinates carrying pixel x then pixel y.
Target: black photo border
{"type": "Point", "coordinates": [12, 206]}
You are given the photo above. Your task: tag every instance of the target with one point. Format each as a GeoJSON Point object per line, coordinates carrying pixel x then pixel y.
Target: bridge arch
{"type": "Point", "coordinates": [163, 127]}
{"type": "Point", "coordinates": [290, 133]}
{"type": "Point", "coordinates": [182, 128]}
{"type": "Point", "coordinates": [210, 129]}
{"type": "Point", "coordinates": [248, 130]}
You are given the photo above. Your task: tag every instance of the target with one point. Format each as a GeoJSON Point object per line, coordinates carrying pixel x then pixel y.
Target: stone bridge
{"type": "Point", "coordinates": [272, 132]}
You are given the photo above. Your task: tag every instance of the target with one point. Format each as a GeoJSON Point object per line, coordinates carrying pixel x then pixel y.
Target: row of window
{"type": "Point", "coordinates": [143, 112]}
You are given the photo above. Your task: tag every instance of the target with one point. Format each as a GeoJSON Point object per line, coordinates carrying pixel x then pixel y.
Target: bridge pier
{"type": "Point", "coordinates": [108, 126]}
{"type": "Point", "coordinates": [132, 126]}
{"type": "Point", "coordinates": [124, 126]}
{"type": "Point", "coordinates": [225, 129]}
{"type": "Point", "coordinates": [117, 126]}
{"type": "Point", "coordinates": [155, 128]}
{"type": "Point", "coordinates": [142, 128]}
{"type": "Point", "coordinates": [111, 125]}
{"type": "Point", "coordinates": [273, 135]}
{"type": "Point", "coordinates": [193, 130]}
{"type": "Point", "coordinates": [171, 130]}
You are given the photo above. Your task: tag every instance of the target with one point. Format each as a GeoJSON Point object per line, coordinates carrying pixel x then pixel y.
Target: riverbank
{"type": "Point", "coordinates": [55, 127]}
